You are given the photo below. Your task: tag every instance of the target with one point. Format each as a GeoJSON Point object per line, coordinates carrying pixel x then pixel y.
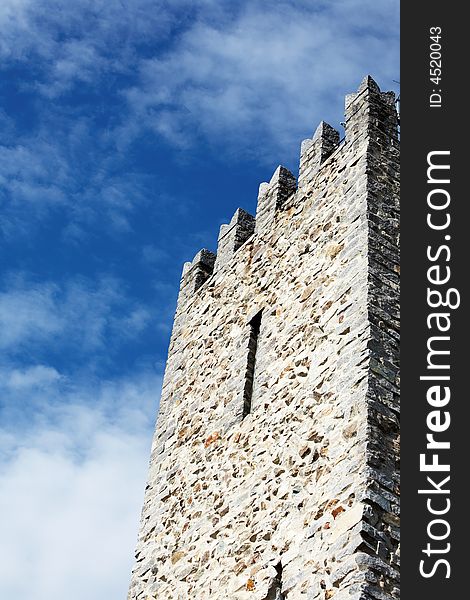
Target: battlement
{"type": "Point", "coordinates": [274, 465]}
{"type": "Point", "coordinates": [370, 115]}
{"type": "Point", "coordinates": [233, 235]}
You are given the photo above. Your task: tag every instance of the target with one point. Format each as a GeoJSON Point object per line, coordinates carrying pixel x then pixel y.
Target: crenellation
{"type": "Point", "coordinates": [232, 236]}
{"type": "Point", "coordinates": [315, 151]}
{"type": "Point", "coordinates": [370, 108]}
{"type": "Point", "coordinates": [195, 274]}
{"type": "Point", "coordinates": [272, 196]}
{"type": "Point", "coordinates": [275, 463]}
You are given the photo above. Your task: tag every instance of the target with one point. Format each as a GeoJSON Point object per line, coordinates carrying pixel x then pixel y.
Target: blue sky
{"type": "Point", "coordinates": [130, 130]}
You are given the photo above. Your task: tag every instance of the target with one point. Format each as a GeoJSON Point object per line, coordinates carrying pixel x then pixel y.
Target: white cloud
{"type": "Point", "coordinates": [83, 313]}
{"type": "Point", "coordinates": [81, 41]}
{"type": "Point", "coordinates": [33, 173]}
{"type": "Point", "coordinates": [259, 66]}
{"type": "Point", "coordinates": [71, 489]}
{"type": "Point", "coordinates": [90, 28]}
{"type": "Point", "coordinates": [64, 161]}
{"type": "Point", "coordinates": [153, 255]}
{"type": "Point", "coordinates": [29, 313]}
{"type": "Point", "coordinates": [266, 74]}
{"type": "Point", "coordinates": [248, 77]}
{"type": "Point", "coordinates": [30, 377]}
{"type": "Point", "coordinates": [66, 167]}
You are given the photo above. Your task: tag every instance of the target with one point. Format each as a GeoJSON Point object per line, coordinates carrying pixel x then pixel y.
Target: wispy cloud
{"type": "Point", "coordinates": [265, 73]}
{"type": "Point", "coordinates": [34, 178]}
{"type": "Point", "coordinates": [77, 40]}
{"type": "Point", "coordinates": [71, 486]}
{"type": "Point", "coordinates": [78, 313]}
{"type": "Point", "coordinates": [251, 79]}
{"type": "Point", "coordinates": [64, 168]}
{"type": "Point", "coordinates": [26, 379]}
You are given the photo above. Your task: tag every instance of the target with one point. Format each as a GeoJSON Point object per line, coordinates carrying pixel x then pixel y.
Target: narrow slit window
{"type": "Point", "coordinates": [255, 325]}
{"type": "Point", "coordinates": [275, 591]}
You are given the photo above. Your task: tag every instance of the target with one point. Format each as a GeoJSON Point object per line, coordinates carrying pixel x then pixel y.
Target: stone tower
{"type": "Point", "coordinates": [274, 466]}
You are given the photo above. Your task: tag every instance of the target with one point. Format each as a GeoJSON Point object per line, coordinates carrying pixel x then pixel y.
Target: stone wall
{"type": "Point", "coordinates": [299, 497]}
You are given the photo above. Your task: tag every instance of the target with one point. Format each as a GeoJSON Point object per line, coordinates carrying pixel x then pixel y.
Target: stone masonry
{"type": "Point", "coordinates": [274, 466]}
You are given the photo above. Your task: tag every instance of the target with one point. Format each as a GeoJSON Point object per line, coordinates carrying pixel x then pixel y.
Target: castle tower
{"type": "Point", "coordinates": [274, 466]}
